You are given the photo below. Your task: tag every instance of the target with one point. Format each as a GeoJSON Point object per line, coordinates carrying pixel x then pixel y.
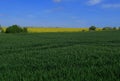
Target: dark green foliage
{"type": "Point", "coordinates": [1, 29]}
{"type": "Point", "coordinates": [82, 56]}
{"type": "Point", "coordinates": [25, 29]}
{"type": "Point", "coordinates": [83, 30]}
{"type": "Point", "coordinates": [14, 29]}
{"type": "Point", "coordinates": [92, 28]}
{"type": "Point", "coordinates": [119, 28]}
{"type": "Point", "coordinates": [114, 28]}
{"type": "Point", "coordinates": [107, 28]}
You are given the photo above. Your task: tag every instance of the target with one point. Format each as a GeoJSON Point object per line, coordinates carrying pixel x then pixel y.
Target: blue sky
{"type": "Point", "coordinates": [60, 13]}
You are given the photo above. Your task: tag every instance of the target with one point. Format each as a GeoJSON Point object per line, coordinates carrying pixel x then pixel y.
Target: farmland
{"type": "Point", "coordinates": [78, 56]}
{"type": "Point", "coordinates": [43, 30]}
{"type": "Point", "coordinates": [37, 30]}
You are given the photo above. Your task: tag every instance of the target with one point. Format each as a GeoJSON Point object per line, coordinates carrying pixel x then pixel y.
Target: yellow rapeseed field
{"type": "Point", "coordinates": [98, 29]}
{"type": "Point", "coordinates": [35, 30]}
{"type": "Point", "coordinates": [4, 29]}
{"type": "Point", "coordinates": [42, 30]}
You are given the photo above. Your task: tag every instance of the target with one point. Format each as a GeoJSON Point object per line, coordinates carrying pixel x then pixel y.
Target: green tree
{"type": "Point", "coordinates": [14, 29]}
{"type": "Point", "coordinates": [114, 28]}
{"type": "Point", "coordinates": [1, 28]}
{"type": "Point", "coordinates": [25, 29]}
{"type": "Point", "coordinates": [107, 28]}
{"type": "Point", "coordinates": [92, 28]}
{"type": "Point", "coordinates": [118, 28]}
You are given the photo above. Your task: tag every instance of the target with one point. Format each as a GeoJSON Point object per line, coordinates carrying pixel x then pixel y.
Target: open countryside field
{"type": "Point", "coordinates": [39, 30]}
{"type": "Point", "coordinates": [78, 56]}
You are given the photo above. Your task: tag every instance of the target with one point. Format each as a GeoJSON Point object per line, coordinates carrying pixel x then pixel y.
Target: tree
{"type": "Point", "coordinates": [114, 28]}
{"type": "Point", "coordinates": [119, 28]}
{"type": "Point", "coordinates": [92, 28]}
{"type": "Point", "coordinates": [1, 30]}
{"type": "Point", "coordinates": [25, 29]}
{"type": "Point", "coordinates": [14, 29]}
{"type": "Point", "coordinates": [107, 28]}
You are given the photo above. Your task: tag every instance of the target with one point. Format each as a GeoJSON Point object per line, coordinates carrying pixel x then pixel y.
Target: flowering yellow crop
{"type": "Point", "coordinates": [37, 30]}
{"type": "Point", "coordinates": [4, 29]}
{"type": "Point", "coordinates": [41, 30]}
{"type": "Point", "coordinates": [98, 29]}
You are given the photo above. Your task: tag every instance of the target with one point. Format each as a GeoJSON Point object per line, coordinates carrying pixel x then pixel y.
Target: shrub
{"type": "Point", "coordinates": [107, 28]}
{"type": "Point", "coordinates": [118, 28]}
{"type": "Point", "coordinates": [14, 29]}
{"type": "Point", "coordinates": [25, 29]}
{"type": "Point", "coordinates": [114, 28]}
{"type": "Point", "coordinates": [83, 30]}
{"type": "Point", "coordinates": [1, 30]}
{"type": "Point", "coordinates": [92, 28]}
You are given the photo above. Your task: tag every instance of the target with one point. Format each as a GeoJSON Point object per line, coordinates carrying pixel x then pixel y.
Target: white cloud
{"type": "Point", "coordinates": [111, 5]}
{"type": "Point", "coordinates": [94, 2]}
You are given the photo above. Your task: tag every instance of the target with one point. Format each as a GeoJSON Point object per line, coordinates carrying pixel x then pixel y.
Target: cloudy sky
{"type": "Point", "coordinates": [60, 13]}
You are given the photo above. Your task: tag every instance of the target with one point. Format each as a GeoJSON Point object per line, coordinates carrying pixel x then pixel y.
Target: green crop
{"type": "Point", "coordinates": [82, 56]}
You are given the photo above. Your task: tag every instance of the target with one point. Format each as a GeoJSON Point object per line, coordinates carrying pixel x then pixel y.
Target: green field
{"type": "Point", "coordinates": [82, 56]}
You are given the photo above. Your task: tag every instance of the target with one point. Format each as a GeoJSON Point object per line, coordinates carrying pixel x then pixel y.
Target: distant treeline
{"type": "Point", "coordinates": [104, 28]}
{"type": "Point", "coordinates": [19, 29]}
